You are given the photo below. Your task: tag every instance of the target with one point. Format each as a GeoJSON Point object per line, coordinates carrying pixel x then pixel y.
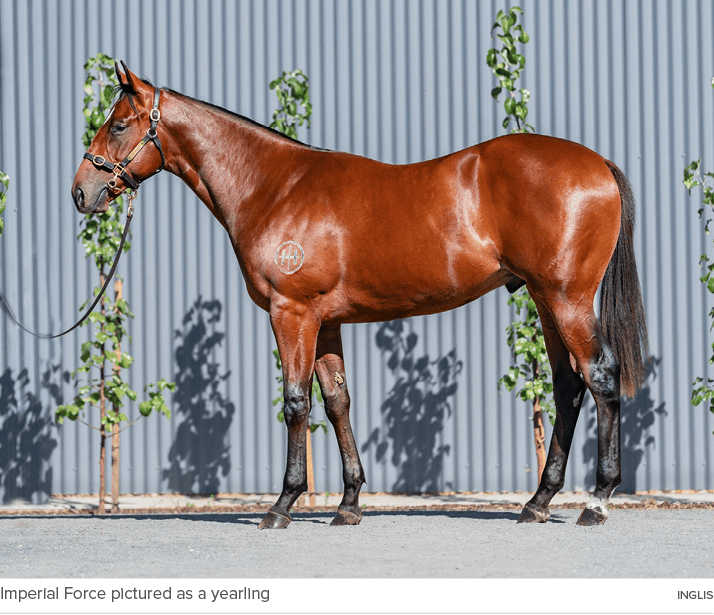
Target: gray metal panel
{"type": "Point", "coordinates": [395, 80]}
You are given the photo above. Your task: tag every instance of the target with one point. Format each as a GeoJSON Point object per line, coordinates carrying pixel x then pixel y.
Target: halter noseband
{"type": "Point", "coordinates": [119, 168]}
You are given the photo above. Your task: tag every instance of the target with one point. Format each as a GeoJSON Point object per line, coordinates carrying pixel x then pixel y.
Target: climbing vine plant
{"type": "Point", "coordinates": [525, 336]}
{"type": "Point", "coordinates": [507, 64]}
{"type": "Point", "coordinates": [103, 359]}
{"type": "Point", "coordinates": [295, 109]}
{"type": "Point", "coordinates": [694, 177]}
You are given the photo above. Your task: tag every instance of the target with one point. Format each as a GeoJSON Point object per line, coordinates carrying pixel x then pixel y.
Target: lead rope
{"type": "Point", "coordinates": [6, 306]}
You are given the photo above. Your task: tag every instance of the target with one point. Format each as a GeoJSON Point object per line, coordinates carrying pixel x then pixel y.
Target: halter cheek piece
{"type": "Point", "coordinates": [119, 168]}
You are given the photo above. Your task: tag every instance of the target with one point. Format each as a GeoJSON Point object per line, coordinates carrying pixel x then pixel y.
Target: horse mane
{"type": "Point", "coordinates": [241, 118]}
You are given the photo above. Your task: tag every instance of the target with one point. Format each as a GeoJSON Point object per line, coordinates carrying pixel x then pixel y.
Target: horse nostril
{"type": "Point", "coordinates": [79, 198]}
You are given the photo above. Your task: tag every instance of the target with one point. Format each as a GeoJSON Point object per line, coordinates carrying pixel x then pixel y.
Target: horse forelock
{"type": "Point", "coordinates": [125, 90]}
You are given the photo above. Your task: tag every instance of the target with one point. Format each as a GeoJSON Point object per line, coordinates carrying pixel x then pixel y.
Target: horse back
{"type": "Point", "coordinates": [379, 241]}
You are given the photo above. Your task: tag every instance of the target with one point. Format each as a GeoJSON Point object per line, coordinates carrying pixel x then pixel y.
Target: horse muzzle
{"type": "Point", "coordinates": [95, 202]}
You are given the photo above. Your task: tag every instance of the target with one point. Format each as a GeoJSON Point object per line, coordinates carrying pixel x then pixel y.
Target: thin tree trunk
{"type": "Point", "coordinates": [539, 436]}
{"type": "Point", "coordinates": [115, 468]}
{"type": "Point", "coordinates": [538, 428]}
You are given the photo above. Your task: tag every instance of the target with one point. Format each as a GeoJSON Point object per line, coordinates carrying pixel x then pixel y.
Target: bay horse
{"type": "Point", "coordinates": [325, 238]}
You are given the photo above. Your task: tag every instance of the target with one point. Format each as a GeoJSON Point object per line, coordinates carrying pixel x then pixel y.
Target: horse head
{"type": "Point", "coordinates": [131, 123]}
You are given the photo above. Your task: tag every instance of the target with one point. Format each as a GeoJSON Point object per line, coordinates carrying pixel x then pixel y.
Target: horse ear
{"type": "Point", "coordinates": [118, 73]}
{"type": "Point", "coordinates": [129, 79]}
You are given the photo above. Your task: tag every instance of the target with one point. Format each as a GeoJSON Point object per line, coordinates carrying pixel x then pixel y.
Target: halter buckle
{"type": "Point", "coordinates": [155, 115]}
{"type": "Point", "coordinates": [99, 160]}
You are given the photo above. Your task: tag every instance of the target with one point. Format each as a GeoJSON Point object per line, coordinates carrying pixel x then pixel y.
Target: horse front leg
{"type": "Point", "coordinates": [330, 370]}
{"type": "Point", "coordinates": [296, 335]}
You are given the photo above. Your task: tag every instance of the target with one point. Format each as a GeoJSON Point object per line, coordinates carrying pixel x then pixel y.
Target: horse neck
{"type": "Point", "coordinates": [228, 161]}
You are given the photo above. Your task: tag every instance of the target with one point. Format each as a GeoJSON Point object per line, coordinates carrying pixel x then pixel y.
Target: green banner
{"type": "Point", "coordinates": [404, 596]}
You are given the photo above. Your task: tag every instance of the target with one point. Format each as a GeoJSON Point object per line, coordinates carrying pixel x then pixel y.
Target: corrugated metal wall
{"type": "Point", "coordinates": [399, 81]}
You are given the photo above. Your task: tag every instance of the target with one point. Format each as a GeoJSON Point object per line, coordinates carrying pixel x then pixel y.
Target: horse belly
{"type": "Point", "coordinates": [413, 279]}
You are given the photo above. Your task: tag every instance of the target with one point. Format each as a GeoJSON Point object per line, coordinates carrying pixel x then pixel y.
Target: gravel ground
{"type": "Point", "coordinates": [388, 544]}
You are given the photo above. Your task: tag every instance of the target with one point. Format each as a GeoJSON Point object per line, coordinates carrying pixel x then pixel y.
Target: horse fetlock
{"type": "Point", "coordinates": [295, 481]}
{"type": "Point", "coordinates": [596, 512]}
{"type": "Point", "coordinates": [599, 505]}
{"type": "Point", "coordinates": [552, 481]}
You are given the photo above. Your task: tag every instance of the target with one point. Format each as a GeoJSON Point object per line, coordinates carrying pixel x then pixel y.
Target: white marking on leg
{"type": "Point", "coordinates": [599, 505]}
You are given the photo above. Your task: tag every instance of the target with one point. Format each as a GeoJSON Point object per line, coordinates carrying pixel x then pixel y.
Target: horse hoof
{"type": "Point", "coordinates": [274, 521]}
{"type": "Point", "coordinates": [347, 517]}
{"type": "Point", "coordinates": [531, 515]}
{"type": "Point", "coordinates": [590, 516]}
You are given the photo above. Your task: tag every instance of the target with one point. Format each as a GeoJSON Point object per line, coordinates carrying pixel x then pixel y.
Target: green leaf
{"type": "Point", "coordinates": [491, 58]}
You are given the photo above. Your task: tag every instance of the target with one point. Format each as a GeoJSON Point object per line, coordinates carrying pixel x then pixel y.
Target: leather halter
{"type": "Point", "coordinates": [119, 168]}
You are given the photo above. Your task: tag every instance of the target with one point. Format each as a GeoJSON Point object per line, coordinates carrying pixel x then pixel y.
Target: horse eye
{"type": "Point", "coordinates": [118, 129]}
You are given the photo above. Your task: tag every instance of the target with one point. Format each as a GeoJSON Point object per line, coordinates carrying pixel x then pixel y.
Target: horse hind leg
{"type": "Point", "coordinates": [330, 370]}
{"type": "Point", "coordinates": [568, 391]}
{"type": "Point", "coordinates": [582, 335]}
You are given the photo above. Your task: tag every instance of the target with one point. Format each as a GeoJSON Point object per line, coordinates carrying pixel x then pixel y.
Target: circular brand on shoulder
{"type": "Point", "coordinates": [289, 257]}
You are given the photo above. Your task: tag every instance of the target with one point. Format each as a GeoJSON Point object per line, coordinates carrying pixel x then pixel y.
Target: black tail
{"type": "Point", "coordinates": [622, 316]}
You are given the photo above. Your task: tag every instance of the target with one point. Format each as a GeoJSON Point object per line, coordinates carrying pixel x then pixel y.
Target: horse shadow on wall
{"type": "Point", "coordinates": [199, 452]}
{"type": "Point", "coordinates": [415, 410]}
{"type": "Point", "coordinates": [26, 437]}
{"type": "Point", "coordinates": [637, 416]}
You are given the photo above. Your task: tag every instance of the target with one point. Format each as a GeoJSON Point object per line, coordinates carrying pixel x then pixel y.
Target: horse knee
{"type": "Point", "coordinates": [297, 405]}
